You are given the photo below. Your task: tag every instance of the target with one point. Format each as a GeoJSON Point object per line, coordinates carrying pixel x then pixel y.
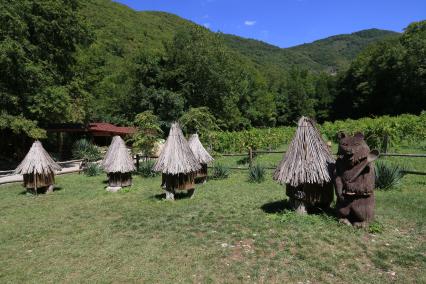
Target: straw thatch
{"type": "Point", "coordinates": [200, 153]}
{"type": "Point", "coordinates": [118, 158]}
{"type": "Point", "coordinates": [37, 162]}
{"type": "Point", "coordinates": [307, 160]}
{"type": "Point", "coordinates": [176, 157]}
{"type": "Point", "coordinates": [111, 149]}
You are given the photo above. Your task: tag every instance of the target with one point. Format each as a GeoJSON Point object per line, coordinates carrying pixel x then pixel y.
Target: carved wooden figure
{"type": "Point", "coordinates": [354, 180]}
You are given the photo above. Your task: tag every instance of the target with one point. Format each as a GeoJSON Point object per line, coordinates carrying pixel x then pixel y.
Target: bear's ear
{"type": "Point", "coordinates": [341, 135]}
{"type": "Point", "coordinates": [359, 135]}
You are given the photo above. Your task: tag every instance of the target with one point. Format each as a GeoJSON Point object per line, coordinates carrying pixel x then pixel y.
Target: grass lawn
{"type": "Point", "coordinates": [230, 231]}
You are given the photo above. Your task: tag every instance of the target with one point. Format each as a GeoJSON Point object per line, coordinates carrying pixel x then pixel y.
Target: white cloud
{"type": "Point", "coordinates": [249, 23]}
{"type": "Point", "coordinates": [206, 25]}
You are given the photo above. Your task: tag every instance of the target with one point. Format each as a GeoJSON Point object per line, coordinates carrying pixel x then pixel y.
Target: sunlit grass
{"type": "Point", "coordinates": [230, 231]}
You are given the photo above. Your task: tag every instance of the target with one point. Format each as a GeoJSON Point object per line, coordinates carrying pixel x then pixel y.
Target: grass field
{"type": "Point", "coordinates": [231, 231]}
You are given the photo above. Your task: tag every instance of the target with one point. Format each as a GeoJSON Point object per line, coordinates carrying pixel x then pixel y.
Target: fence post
{"type": "Point", "coordinates": [250, 156]}
{"type": "Point", "coordinates": [137, 161]}
{"type": "Point", "coordinates": [385, 143]}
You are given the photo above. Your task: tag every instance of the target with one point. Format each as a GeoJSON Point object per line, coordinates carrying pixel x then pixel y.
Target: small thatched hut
{"type": "Point", "coordinates": [306, 168]}
{"type": "Point", "coordinates": [177, 164]}
{"type": "Point", "coordinates": [118, 163]}
{"type": "Point", "coordinates": [38, 169]}
{"type": "Point", "coordinates": [203, 157]}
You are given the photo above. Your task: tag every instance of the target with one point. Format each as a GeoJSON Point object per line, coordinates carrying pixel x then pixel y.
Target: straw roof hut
{"type": "Point", "coordinates": [112, 148]}
{"type": "Point", "coordinates": [203, 157]}
{"type": "Point", "coordinates": [118, 163]}
{"type": "Point", "coordinates": [177, 163]}
{"type": "Point", "coordinates": [38, 168]}
{"type": "Point", "coordinates": [306, 168]}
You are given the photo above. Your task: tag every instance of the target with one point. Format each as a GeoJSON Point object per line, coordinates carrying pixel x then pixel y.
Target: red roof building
{"type": "Point", "coordinates": [95, 129]}
{"type": "Point", "coordinates": [108, 129]}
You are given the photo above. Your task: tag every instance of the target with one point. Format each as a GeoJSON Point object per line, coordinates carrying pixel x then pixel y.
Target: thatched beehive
{"type": "Point", "coordinates": [38, 168]}
{"type": "Point", "coordinates": [111, 149]}
{"type": "Point", "coordinates": [118, 163]}
{"type": "Point", "coordinates": [177, 163]}
{"type": "Point", "coordinates": [203, 157]}
{"type": "Point", "coordinates": [306, 168]}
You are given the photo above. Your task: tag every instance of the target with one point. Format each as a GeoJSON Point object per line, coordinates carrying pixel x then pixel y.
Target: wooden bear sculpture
{"type": "Point", "coordinates": [354, 180]}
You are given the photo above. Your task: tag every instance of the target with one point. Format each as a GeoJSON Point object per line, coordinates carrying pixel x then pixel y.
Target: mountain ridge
{"type": "Point", "coordinates": [119, 27]}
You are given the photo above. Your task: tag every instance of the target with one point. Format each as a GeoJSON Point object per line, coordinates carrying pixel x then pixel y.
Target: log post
{"type": "Point", "coordinates": [137, 162]}
{"type": "Point", "coordinates": [250, 156]}
{"type": "Point", "coordinates": [385, 143]}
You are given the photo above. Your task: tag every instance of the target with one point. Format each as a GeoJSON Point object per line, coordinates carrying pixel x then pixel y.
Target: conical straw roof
{"type": "Point", "coordinates": [200, 153]}
{"type": "Point", "coordinates": [115, 143]}
{"type": "Point", "coordinates": [176, 156]}
{"type": "Point", "coordinates": [307, 159]}
{"type": "Point", "coordinates": [37, 161]}
{"type": "Point", "coordinates": [118, 158]}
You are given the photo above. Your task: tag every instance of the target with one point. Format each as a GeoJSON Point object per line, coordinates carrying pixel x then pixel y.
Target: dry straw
{"type": "Point", "coordinates": [37, 161]}
{"type": "Point", "coordinates": [308, 158]}
{"type": "Point", "coordinates": [176, 156]}
{"type": "Point", "coordinates": [200, 153]}
{"type": "Point", "coordinates": [118, 158]}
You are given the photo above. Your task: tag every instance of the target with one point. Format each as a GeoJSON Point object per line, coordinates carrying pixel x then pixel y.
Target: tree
{"type": "Point", "coordinates": [148, 132]}
{"type": "Point", "coordinates": [37, 43]}
{"type": "Point", "coordinates": [199, 120]}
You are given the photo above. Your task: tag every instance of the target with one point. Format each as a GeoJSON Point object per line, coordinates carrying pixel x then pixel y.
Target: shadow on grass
{"type": "Point", "coordinates": [284, 205]}
{"type": "Point", "coordinates": [276, 206]}
{"type": "Point", "coordinates": [39, 191]}
{"type": "Point", "coordinates": [178, 195]}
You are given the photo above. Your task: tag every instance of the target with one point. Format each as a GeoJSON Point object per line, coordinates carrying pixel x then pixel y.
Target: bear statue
{"type": "Point", "coordinates": [354, 180]}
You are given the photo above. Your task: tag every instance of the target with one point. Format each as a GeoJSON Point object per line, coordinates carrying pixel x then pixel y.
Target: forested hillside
{"type": "Point", "coordinates": [331, 54]}
{"type": "Point", "coordinates": [96, 60]}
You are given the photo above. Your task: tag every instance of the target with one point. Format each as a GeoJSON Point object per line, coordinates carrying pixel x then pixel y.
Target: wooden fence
{"type": "Point", "coordinates": [251, 155]}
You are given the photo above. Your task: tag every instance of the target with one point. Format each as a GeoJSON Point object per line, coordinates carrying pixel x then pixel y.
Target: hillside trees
{"type": "Point", "coordinates": [37, 44]}
{"type": "Point", "coordinates": [198, 70]}
{"type": "Point", "coordinates": [387, 78]}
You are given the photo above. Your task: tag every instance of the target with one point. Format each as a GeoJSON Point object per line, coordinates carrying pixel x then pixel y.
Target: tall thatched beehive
{"type": "Point", "coordinates": [38, 169]}
{"type": "Point", "coordinates": [177, 164]}
{"type": "Point", "coordinates": [118, 163]}
{"type": "Point", "coordinates": [203, 157]}
{"type": "Point", "coordinates": [306, 168]}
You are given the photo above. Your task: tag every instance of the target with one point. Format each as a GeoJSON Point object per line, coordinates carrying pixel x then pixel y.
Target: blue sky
{"type": "Point", "coordinates": [290, 22]}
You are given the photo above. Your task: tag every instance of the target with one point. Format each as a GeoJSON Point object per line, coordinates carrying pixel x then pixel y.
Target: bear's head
{"type": "Point", "coordinates": [352, 148]}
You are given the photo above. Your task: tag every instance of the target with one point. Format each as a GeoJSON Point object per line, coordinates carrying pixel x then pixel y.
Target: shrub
{"type": "Point", "coordinates": [406, 127]}
{"type": "Point", "coordinates": [257, 173]}
{"type": "Point", "coordinates": [388, 175]}
{"type": "Point", "coordinates": [83, 149]}
{"type": "Point", "coordinates": [145, 169]}
{"type": "Point", "coordinates": [220, 172]}
{"type": "Point", "coordinates": [375, 228]}
{"type": "Point", "coordinates": [92, 169]}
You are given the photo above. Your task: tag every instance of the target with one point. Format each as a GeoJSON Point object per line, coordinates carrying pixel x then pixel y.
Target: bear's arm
{"type": "Point", "coordinates": [338, 184]}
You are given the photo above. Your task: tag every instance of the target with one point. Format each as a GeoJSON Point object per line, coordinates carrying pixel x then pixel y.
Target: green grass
{"type": "Point", "coordinates": [230, 231]}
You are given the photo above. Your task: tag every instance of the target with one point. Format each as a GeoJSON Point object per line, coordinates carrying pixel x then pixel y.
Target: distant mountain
{"type": "Point", "coordinates": [330, 54]}
{"type": "Point", "coordinates": [120, 31]}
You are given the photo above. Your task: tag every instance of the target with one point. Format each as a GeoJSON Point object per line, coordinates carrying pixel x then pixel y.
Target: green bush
{"type": "Point", "coordinates": [257, 173]}
{"type": "Point", "coordinates": [406, 127]}
{"type": "Point", "coordinates": [92, 169]}
{"type": "Point", "coordinates": [375, 228]}
{"type": "Point", "coordinates": [220, 172]}
{"type": "Point", "coordinates": [388, 175]}
{"type": "Point", "coordinates": [145, 169]}
{"type": "Point", "coordinates": [83, 149]}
